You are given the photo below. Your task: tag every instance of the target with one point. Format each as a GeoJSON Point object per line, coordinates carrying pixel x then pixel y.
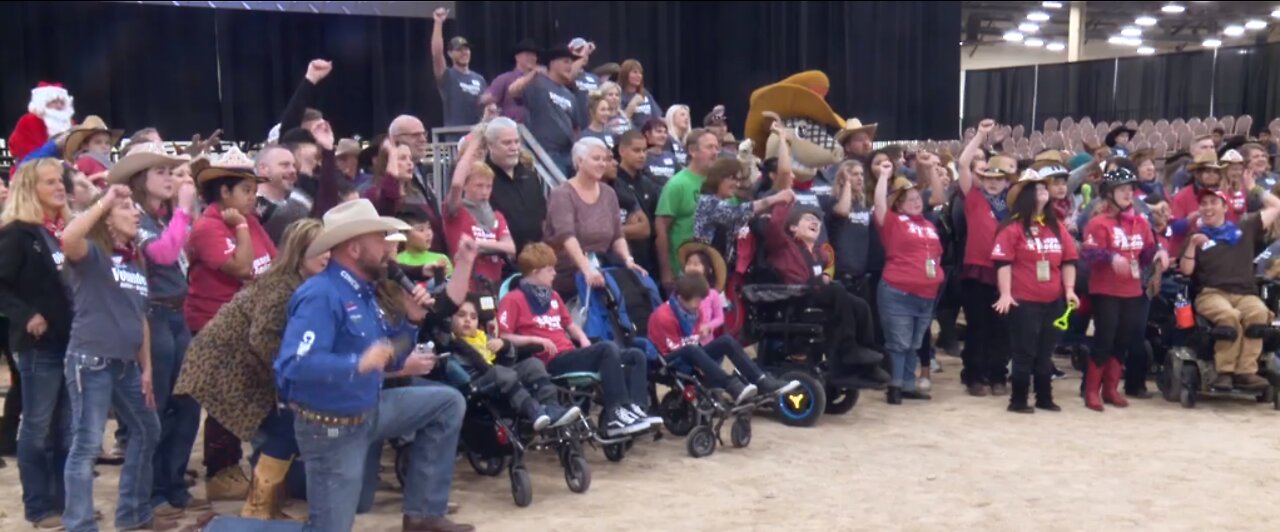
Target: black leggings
{"type": "Point", "coordinates": [1033, 337]}
{"type": "Point", "coordinates": [1117, 324]}
{"type": "Point", "coordinates": [986, 337]}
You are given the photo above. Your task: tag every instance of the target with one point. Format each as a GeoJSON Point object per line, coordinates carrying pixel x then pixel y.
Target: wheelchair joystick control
{"type": "Point", "coordinates": [1065, 321]}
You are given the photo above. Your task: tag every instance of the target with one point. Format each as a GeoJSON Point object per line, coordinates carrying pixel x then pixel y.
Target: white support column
{"type": "Point", "coordinates": [1075, 32]}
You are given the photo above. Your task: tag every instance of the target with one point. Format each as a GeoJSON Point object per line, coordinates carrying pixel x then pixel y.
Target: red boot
{"type": "Point", "coordinates": [1092, 385]}
{"type": "Point", "coordinates": [1111, 384]}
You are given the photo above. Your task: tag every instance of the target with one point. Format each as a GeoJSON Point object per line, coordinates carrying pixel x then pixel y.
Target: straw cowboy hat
{"type": "Point", "coordinates": [142, 156]}
{"type": "Point", "coordinates": [853, 125]}
{"type": "Point", "coordinates": [347, 147]}
{"type": "Point", "coordinates": [718, 267]}
{"type": "Point", "coordinates": [1000, 166]}
{"type": "Point", "coordinates": [233, 163]}
{"type": "Point", "coordinates": [899, 186]}
{"type": "Point", "coordinates": [78, 135]}
{"type": "Point", "coordinates": [1049, 165]}
{"type": "Point", "coordinates": [347, 221]}
{"type": "Point", "coordinates": [1029, 177]}
{"type": "Point", "coordinates": [1206, 160]}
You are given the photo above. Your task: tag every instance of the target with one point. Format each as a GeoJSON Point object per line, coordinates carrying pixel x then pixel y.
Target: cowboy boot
{"type": "Point", "coordinates": [1093, 386]}
{"type": "Point", "coordinates": [264, 499]}
{"type": "Point", "coordinates": [1111, 384]}
{"type": "Point", "coordinates": [1044, 393]}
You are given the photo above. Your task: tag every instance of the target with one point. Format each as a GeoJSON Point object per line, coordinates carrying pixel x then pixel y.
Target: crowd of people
{"type": "Point", "coordinates": [274, 297]}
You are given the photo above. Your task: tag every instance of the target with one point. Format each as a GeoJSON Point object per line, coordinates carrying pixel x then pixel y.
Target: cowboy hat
{"type": "Point", "coordinates": [801, 95]}
{"type": "Point", "coordinates": [899, 186]}
{"type": "Point", "coordinates": [1000, 166]}
{"type": "Point", "coordinates": [1050, 155]}
{"type": "Point", "coordinates": [1029, 177]}
{"type": "Point", "coordinates": [558, 51]}
{"type": "Point", "coordinates": [81, 133]}
{"type": "Point", "coordinates": [347, 147]}
{"type": "Point", "coordinates": [525, 45]}
{"type": "Point", "coordinates": [1231, 157]}
{"type": "Point", "coordinates": [233, 163]}
{"type": "Point", "coordinates": [1206, 160]}
{"type": "Point", "coordinates": [1110, 139]}
{"type": "Point", "coordinates": [347, 221]}
{"type": "Point", "coordinates": [142, 156]}
{"type": "Point", "coordinates": [853, 125]}
{"type": "Point", "coordinates": [718, 267]}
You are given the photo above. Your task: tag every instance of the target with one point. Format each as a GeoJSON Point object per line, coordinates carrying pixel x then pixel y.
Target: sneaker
{"type": "Point", "coordinates": [924, 384]}
{"type": "Point", "coordinates": [561, 415]}
{"type": "Point", "coordinates": [773, 386]}
{"type": "Point", "coordinates": [621, 422]}
{"type": "Point", "coordinates": [999, 389]}
{"type": "Point", "coordinates": [230, 484]}
{"type": "Point", "coordinates": [640, 414]}
{"type": "Point", "coordinates": [1059, 374]}
{"type": "Point", "coordinates": [740, 392]}
{"type": "Point", "coordinates": [935, 366]}
{"type": "Point", "coordinates": [542, 421]}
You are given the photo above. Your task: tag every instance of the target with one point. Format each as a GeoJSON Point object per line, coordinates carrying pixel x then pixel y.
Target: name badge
{"type": "Point", "coordinates": [1042, 271]}
{"type": "Point", "coordinates": [1133, 269]}
{"type": "Point", "coordinates": [817, 270]}
{"type": "Point", "coordinates": [931, 268]}
{"type": "Point", "coordinates": [595, 261]}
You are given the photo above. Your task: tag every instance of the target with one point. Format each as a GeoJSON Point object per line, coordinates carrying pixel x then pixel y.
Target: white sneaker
{"type": "Point", "coordinates": [642, 415]}
{"type": "Point", "coordinates": [623, 423]}
{"type": "Point", "coordinates": [924, 384]}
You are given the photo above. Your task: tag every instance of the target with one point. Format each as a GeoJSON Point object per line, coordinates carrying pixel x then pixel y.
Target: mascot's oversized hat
{"type": "Point", "coordinates": [802, 95]}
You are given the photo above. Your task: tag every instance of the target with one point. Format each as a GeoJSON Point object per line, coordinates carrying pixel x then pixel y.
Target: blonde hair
{"type": "Point", "coordinates": [479, 169]}
{"type": "Point", "coordinates": [23, 204]}
{"type": "Point", "coordinates": [670, 119]}
{"type": "Point", "coordinates": [293, 246]}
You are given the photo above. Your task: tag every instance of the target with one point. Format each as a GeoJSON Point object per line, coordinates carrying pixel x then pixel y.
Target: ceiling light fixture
{"type": "Point", "coordinates": [1116, 40]}
{"type": "Point", "coordinates": [1028, 27]}
{"type": "Point", "coordinates": [1145, 20]}
{"type": "Point", "coordinates": [1132, 41]}
{"type": "Point", "coordinates": [1033, 42]}
{"type": "Point", "coordinates": [1275, 14]}
{"type": "Point", "coordinates": [1130, 31]}
{"type": "Point", "coordinates": [1052, 5]}
{"type": "Point", "coordinates": [1173, 9]}
{"type": "Point", "coordinates": [1146, 50]}
{"type": "Point", "coordinates": [1211, 43]}
{"type": "Point", "coordinates": [1233, 30]}
{"type": "Point", "coordinates": [1013, 36]}
{"type": "Point", "coordinates": [1255, 24]}
{"type": "Point", "coordinates": [1055, 47]}
{"type": "Point", "coordinates": [1037, 16]}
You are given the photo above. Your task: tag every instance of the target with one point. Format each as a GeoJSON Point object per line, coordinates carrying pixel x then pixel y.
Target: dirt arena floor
{"type": "Point", "coordinates": [956, 463]}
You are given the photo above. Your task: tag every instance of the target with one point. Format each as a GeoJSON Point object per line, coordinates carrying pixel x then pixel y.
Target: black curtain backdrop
{"type": "Point", "coordinates": [1004, 95]}
{"type": "Point", "coordinates": [889, 62]}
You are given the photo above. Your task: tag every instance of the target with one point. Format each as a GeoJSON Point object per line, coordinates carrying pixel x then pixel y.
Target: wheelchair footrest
{"type": "Point", "coordinates": [577, 378]}
{"type": "Point", "coordinates": [1265, 332]}
{"type": "Point", "coordinates": [1221, 333]}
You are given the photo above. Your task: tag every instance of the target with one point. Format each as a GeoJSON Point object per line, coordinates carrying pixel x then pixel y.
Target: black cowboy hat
{"type": "Point", "coordinates": [558, 51]}
{"type": "Point", "coordinates": [1110, 140]}
{"type": "Point", "coordinates": [525, 45]}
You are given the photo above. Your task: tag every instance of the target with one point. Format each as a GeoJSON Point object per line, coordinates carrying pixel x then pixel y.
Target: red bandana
{"type": "Point", "coordinates": [55, 226]}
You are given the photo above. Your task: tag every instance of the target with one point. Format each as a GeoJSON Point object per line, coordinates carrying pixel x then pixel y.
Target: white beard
{"type": "Point", "coordinates": [57, 121]}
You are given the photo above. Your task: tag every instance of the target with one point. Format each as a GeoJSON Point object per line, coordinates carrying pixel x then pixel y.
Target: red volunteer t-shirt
{"type": "Point", "coordinates": [982, 223]}
{"type": "Point", "coordinates": [210, 246]}
{"type": "Point", "coordinates": [462, 223]}
{"type": "Point", "coordinates": [1024, 252]}
{"type": "Point", "coordinates": [908, 245]}
{"type": "Point", "coordinates": [515, 317]}
{"type": "Point", "coordinates": [1129, 237]}
{"type": "Point", "coordinates": [665, 333]}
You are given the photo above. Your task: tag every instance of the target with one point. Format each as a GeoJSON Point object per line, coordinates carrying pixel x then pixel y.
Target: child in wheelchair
{"type": "Point", "coordinates": [491, 364]}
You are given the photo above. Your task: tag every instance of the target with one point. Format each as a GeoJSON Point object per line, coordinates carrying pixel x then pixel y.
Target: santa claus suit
{"type": "Point", "coordinates": [34, 128]}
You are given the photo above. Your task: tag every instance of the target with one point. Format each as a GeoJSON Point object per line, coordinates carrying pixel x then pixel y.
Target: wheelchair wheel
{"type": "Point", "coordinates": [676, 414]}
{"type": "Point", "coordinates": [1190, 384]}
{"type": "Point", "coordinates": [802, 407]}
{"type": "Point", "coordinates": [740, 434]}
{"type": "Point", "coordinates": [1170, 382]}
{"type": "Point", "coordinates": [701, 442]}
{"type": "Point", "coordinates": [486, 466]}
{"type": "Point", "coordinates": [615, 452]}
{"type": "Point", "coordinates": [521, 486]}
{"type": "Point", "coordinates": [840, 400]}
{"type": "Point", "coordinates": [577, 474]}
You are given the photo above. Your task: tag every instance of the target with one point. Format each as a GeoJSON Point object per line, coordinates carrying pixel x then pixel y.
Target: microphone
{"type": "Point", "coordinates": [395, 273]}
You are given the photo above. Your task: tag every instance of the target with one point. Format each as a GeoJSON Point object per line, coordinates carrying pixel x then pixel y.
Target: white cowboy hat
{"type": "Point", "coordinates": [1029, 177]}
{"type": "Point", "coordinates": [142, 156]}
{"type": "Point", "coordinates": [233, 163]}
{"type": "Point", "coordinates": [347, 221]}
{"type": "Point", "coordinates": [853, 125]}
{"type": "Point", "coordinates": [400, 228]}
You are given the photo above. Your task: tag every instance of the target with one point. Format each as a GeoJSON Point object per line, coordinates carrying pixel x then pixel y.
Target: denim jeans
{"type": "Point", "coordinates": [44, 434]}
{"type": "Point", "coordinates": [905, 318]}
{"type": "Point", "coordinates": [179, 416]}
{"type": "Point", "coordinates": [623, 372]}
{"type": "Point", "coordinates": [706, 359]}
{"type": "Point", "coordinates": [94, 385]}
{"type": "Point", "coordinates": [336, 459]}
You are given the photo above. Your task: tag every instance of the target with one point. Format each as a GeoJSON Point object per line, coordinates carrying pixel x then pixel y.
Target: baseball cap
{"type": "Point", "coordinates": [458, 42]}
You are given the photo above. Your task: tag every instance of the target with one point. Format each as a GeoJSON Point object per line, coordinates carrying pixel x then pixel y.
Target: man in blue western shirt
{"type": "Point", "coordinates": [336, 351]}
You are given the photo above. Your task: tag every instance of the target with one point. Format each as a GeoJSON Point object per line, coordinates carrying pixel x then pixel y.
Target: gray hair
{"type": "Point", "coordinates": [399, 123]}
{"type": "Point", "coordinates": [606, 86]}
{"type": "Point", "coordinates": [261, 157]}
{"type": "Point", "coordinates": [496, 125]}
{"type": "Point", "coordinates": [584, 147]}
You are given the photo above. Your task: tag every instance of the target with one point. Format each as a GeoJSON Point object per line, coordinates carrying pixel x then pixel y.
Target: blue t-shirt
{"type": "Point", "coordinates": [109, 295]}
{"type": "Point", "coordinates": [663, 166]}
{"type": "Point", "coordinates": [460, 94]}
{"type": "Point", "coordinates": [551, 114]}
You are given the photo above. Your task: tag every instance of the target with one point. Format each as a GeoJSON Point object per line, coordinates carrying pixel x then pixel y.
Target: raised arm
{"type": "Point", "coordinates": [437, 42]}
{"type": "Point", "coordinates": [971, 152]}
{"type": "Point", "coordinates": [785, 176]}
{"type": "Point", "coordinates": [516, 90]}
{"type": "Point", "coordinates": [882, 194]}
{"type": "Point", "coordinates": [166, 248]}
{"type": "Point", "coordinates": [844, 196]}
{"type": "Point", "coordinates": [1270, 209]}
{"type": "Point", "coordinates": [927, 164]}
{"type": "Point", "coordinates": [317, 70]}
{"type": "Point", "coordinates": [462, 168]}
{"type": "Point", "coordinates": [75, 243]}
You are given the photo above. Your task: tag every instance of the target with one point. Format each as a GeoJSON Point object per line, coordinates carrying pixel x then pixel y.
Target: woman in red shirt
{"type": "Point", "coordinates": [1034, 256]}
{"type": "Point", "coordinates": [1118, 243]}
{"type": "Point", "coordinates": [909, 285]}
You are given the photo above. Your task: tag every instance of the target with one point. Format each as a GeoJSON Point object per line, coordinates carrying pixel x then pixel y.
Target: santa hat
{"type": "Point", "coordinates": [46, 92]}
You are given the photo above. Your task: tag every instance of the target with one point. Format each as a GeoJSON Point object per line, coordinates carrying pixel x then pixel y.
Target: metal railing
{"type": "Point", "coordinates": [444, 151]}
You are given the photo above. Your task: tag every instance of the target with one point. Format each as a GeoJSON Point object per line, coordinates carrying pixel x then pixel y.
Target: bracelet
{"type": "Point", "coordinates": [242, 225]}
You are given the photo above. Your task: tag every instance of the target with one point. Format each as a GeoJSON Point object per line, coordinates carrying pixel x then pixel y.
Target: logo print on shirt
{"type": "Point", "coordinates": [502, 320]}
{"type": "Point", "coordinates": [563, 103]}
{"type": "Point", "coordinates": [1049, 246]}
{"type": "Point", "coordinates": [471, 87]}
{"type": "Point", "coordinates": [304, 347]}
{"type": "Point", "coordinates": [1124, 242]}
{"type": "Point", "coordinates": [128, 279]}
{"type": "Point", "coordinates": [551, 322]}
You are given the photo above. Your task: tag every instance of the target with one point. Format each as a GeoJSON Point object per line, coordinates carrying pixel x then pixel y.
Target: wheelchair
{"type": "Point", "coordinates": [693, 410]}
{"type": "Point", "coordinates": [1189, 368]}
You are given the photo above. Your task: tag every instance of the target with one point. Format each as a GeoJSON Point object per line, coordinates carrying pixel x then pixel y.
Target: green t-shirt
{"type": "Point", "coordinates": [679, 200]}
{"type": "Point", "coordinates": [423, 258]}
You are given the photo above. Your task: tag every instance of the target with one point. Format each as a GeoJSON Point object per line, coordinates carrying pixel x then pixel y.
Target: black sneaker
{"type": "Point", "coordinates": [772, 386]}
{"type": "Point", "coordinates": [621, 422]}
{"type": "Point", "coordinates": [740, 392]}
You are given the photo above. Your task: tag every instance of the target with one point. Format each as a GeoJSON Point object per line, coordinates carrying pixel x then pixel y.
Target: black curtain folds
{"type": "Point", "coordinates": [1004, 95]}
{"type": "Point", "coordinates": [187, 70]}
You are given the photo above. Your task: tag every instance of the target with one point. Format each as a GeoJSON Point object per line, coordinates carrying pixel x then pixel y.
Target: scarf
{"type": "Point", "coordinates": [104, 160]}
{"type": "Point", "coordinates": [55, 226]}
{"type": "Point", "coordinates": [1227, 233]}
{"type": "Point", "coordinates": [539, 297]}
{"type": "Point", "coordinates": [1149, 187]}
{"type": "Point", "coordinates": [127, 252]}
{"type": "Point", "coordinates": [684, 318]}
{"type": "Point", "coordinates": [1128, 215]}
{"type": "Point", "coordinates": [999, 204]}
{"type": "Point", "coordinates": [482, 213]}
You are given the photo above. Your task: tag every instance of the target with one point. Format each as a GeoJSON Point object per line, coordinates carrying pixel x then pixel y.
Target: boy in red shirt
{"type": "Point", "coordinates": [467, 213]}
{"type": "Point", "coordinates": [673, 329]}
{"type": "Point", "coordinates": [534, 315]}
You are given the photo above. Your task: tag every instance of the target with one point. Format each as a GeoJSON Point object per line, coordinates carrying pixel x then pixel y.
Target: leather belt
{"type": "Point", "coordinates": [171, 303]}
{"type": "Point", "coordinates": [326, 419]}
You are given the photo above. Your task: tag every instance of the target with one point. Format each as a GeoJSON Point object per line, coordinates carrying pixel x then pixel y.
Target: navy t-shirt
{"type": "Point", "coordinates": [662, 166]}
{"type": "Point", "coordinates": [604, 136]}
{"type": "Point", "coordinates": [586, 83]}
{"type": "Point", "coordinates": [460, 93]}
{"type": "Point", "coordinates": [646, 109]}
{"type": "Point", "coordinates": [551, 114]}
{"type": "Point", "coordinates": [110, 300]}
{"type": "Point", "coordinates": [852, 238]}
